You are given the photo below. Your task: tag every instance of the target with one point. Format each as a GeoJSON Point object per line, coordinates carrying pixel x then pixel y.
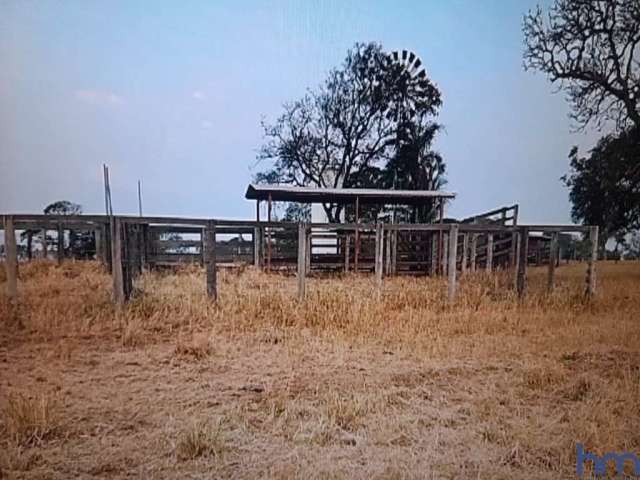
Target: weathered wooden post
{"type": "Point", "coordinates": [379, 254]}
{"type": "Point", "coordinates": [553, 254]}
{"type": "Point", "coordinates": [593, 257]}
{"type": "Point", "coordinates": [347, 246]}
{"type": "Point", "coordinates": [257, 243]}
{"type": "Point", "coordinates": [45, 247]}
{"type": "Point", "coordinates": [30, 245]}
{"type": "Point", "coordinates": [117, 272]}
{"type": "Point", "coordinates": [60, 252]}
{"type": "Point", "coordinates": [489, 265]}
{"type": "Point", "coordinates": [465, 251]}
{"type": "Point", "coordinates": [433, 267]}
{"type": "Point", "coordinates": [210, 259]}
{"type": "Point", "coordinates": [444, 267]}
{"type": "Point", "coordinates": [521, 282]}
{"type": "Point", "coordinates": [394, 251]}
{"type": "Point", "coordinates": [357, 236]}
{"type": "Point", "coordinates": [99, 244]}
{"type": "Point", "coordinates": [387, 260]}
{"type": "Point", "coordinates": [11, 261]}
{"type": "Point", "coordinates": [302, 263]}
{"type": "Point", "coordinates": [452, 257]}
{"type": "Point", "coordinates": [474, 251]}
{"type": "Point", "coordinates": [308, 250]}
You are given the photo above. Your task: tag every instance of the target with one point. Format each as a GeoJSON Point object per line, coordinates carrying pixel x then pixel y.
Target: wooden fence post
{"type": "Point", "coordinates": [379, 261]}
{"type": "Point", "coordinates": [210, 260]}
{"type": "Point", "coordinates": [302, 263]}
{"type": "Point", "coordinates": [553, 254]}
{"type": "Point", "coordinates": [591, 267]}
{"type": "Point", "coordinates": [308, 251]}
{"type": "Point", "coordinates": [99, 244]}
{"type": "Point", "coordinates": [11, 260]}
{"type": "Point", "coordinates": [465, 251]}
{"type": "Point", "coordinates": [489, 265]}
{"type": "Point", "coordinates": [521, 282]}
{"type": "Point", "coordinates": [117, 273]}
{"type": "Point", "coordinates": [257, 243]}
{"type": "Point", "coordinates": [394, 251]}
{"type": "Point", "coordinates": [444, 261]}
{"type": "Point", "coordinates": [60, 252]}
{"type": "Point", "coordinates": [474, 251]}
{"type": "Point", "coordinates": [452, 257]}
{"type": "Point", "coordinates": [45, 247]}
{"type": "Point", "coordinates": [387, 259]}
{"type": "Point", "coordinates": [347, 246]}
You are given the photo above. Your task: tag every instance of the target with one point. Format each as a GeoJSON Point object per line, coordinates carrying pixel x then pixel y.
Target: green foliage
{"type": "Point", "coordinates": [604, 187]}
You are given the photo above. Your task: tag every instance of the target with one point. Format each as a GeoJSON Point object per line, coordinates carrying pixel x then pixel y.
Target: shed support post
{"type": "Point", "coordinates": [302, 259]}
{"type": "Point", "coordinates": [521, 282]}
{"type": "Point", "coordinates": [553, 254]}
{"type": "Point", "coordinates": [394, 251]}
{"type": "Point", "coordinates": [489, 265]}
{"type": "Point", "coordinates": [210, 260]}
{"type": "Point", "coordinates": [451, 267]}
{"type": "Point", "coordinates": [593, 257]}
{"type": "Point", "coordinates": [387, 260]}
{"type": "Point", "coordinates": [444, 264]}
{"type": "Point", "coordinates": [11, 262]}
{"type": "Point", "coordinates": [433, 267]}
{"type": "Point", "coordinates": [30, 245]}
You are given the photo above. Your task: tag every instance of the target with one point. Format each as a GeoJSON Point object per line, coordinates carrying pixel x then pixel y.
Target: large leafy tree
{"type": "Point", "coordinates": [604, 186]}
{"type": "Point", "coordinates": [590, 49]}
{"type": "Point", "coordinates": [345, 133]}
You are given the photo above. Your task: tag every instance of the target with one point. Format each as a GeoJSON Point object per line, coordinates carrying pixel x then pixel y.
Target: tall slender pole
{"type": "Point", "coordinates": [139, 197]}
{"type": "Point", "coordinates": [440, 236]}
{"type": "Point", "coordinates": [302, 259]}
{"type": "Point", "coordinates": [593, 257]}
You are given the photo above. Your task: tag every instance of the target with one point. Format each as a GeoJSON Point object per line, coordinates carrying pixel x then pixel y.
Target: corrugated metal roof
{"type": "Point", "coordinates": [288, 193]}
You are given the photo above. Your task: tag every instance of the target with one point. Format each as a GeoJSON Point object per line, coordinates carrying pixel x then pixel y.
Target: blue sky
{"type": "Point", "coordinates": [174, 92]}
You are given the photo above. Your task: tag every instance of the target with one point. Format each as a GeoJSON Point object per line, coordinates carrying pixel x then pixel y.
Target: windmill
{"type": "Point", "coordinates": [411, 83]}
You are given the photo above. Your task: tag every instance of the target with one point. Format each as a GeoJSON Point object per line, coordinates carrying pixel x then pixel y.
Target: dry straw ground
{"type": "Point", "coordinates": [346, 385]}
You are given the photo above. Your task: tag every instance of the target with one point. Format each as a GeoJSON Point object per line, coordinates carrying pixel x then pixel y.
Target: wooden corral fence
{"type": "Point", "coordinates": [127, 245]}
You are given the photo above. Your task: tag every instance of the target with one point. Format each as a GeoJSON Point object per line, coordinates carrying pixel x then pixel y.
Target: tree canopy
{"type": "Point", "coordinates": [589, 48]}
{"type": "Point", "coordinates": [604, 186]}
{"type": "Point", "coordinates": [369, 123]}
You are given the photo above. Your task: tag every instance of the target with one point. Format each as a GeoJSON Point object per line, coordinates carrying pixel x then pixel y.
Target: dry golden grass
{"type": "Point", "coordinates": [347, 384]}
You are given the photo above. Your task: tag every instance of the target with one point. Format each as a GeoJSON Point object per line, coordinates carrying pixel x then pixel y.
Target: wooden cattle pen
{"type": "Point", "coordinates": [129, 245]}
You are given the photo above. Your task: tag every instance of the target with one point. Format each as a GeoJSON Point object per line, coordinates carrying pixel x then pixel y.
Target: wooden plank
{"type": "Point", "coordinates": [116, 263]}
{"type": "Point", "coordinates": [553, 254]}
{"type": "Point", "coordinates": [11, 261]}
{"type": "Point", "coordinates": [347, 247]}
{"type": "Point", "coordinates": [302, 260]}
{"type": "Point", "coordinates": [394, 252]}
{"type": "Point", "coordinates": [452, 260]}
{"type": "Point", "coordinates": [593, 258]}
{"type": "Point", "coordinates": [521, 281]}
{"type": "Point", "coordinates": [308, 251]}
{"type": "Point", "coordinates": [357, 236]}
{"type": "Point", "coordinates": [489, 263]}
{"type": "Point", "coordinates": [99, 243]}
{"type": "Point", "coordinates": [210, 260]}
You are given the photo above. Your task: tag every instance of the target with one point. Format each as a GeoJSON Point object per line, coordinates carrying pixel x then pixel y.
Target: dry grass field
{"type": "Point", "coordinates": [347, 385]}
